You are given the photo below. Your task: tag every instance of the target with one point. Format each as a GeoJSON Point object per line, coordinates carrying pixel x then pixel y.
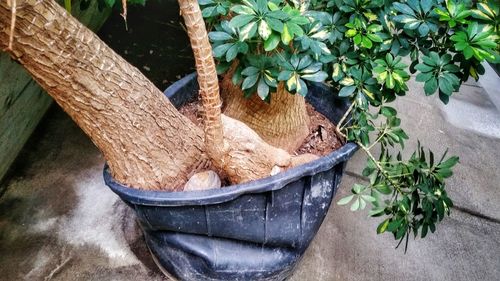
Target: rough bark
{"type": "Point", "coordinates": [145, 140]}
{"type": "Point", "coordinates": [283, 122]}
{"type": "Point", "coordinates": [207, 76]}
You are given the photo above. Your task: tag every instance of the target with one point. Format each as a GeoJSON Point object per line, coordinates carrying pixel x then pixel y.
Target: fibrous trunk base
{"type": "Point", "coordinates": [282, 123]}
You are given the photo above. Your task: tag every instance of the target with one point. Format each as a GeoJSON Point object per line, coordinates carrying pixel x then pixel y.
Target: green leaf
{"type": "Point", "coordinates": [382, 227]}
{"type": "Point", "coordinates": [285, 75]}
{"type": "Point", "coordinates": [388, 111]}
{"type": "Point", "coordinates": [347, 91]}
{"type": "Point", "coordinates": [368, 198]}
{"type": "Point", "coordinates": [358, 188]}
{"type": "Point", "coordinates": [272, 6]}
{"type": "Point", "coordinates": [262, 6]}
{"type": "Point", "coordinates": [337, 74]}
{"type": "Point", "coordinates": [301, 87]}
{"type": "Point", "coordinates": [275, 24]}
{"type": "Point", "coordinates": [291, 83]}
{"type": "Point", "coordinates": [430, 86]}
{"type": "Point", "coordinates": [393, 225]}
{"type": "Point", "coordinates": [242, 10]}
{"type": "Point", "coordinates": [357, 39]}
{"type": "Point", "coordinates": [355, 205]}
{"type": "Point", "coordinates": [452, 161]}
{"type": "Point", "coordinates": [376, 212]}
{"type": "Point", "coordinates": [424, 76]}
{"type": "Point", "coordinates": [403, 8]}
{"type": "Point", "coordinates": [262, 89]}
{"type": "Point", "coordinates": [374, 37]}
{"type": "Point", "coordinates": [209, 11]}
{"type": "Point", "coordinates": [345, 200]}
{"type": "Point", "coordinates": [445, 86]}
{"type": "Point", "coordinates": [219, 36]}
{"type": "Point", "coordinates": [294, 29]}
{"type": "Point", "coordinates": [220, 50]}
{"type": "Point", "coordinates": [347, 81]}
{"type": "Point", "coordinates": [406, 19]}
{"type": "Point", "coordinates": [422, 67]}
{"type": "Point", "coordinates": [249, 71]}
{"type": "Point", "coordinates": [240, 20]}
{"type": "Point", "coordinates": [249, 82]}
{"type": "Point", "coordinates": [264, 30]}
{"type": "Point", "coordinates": [389, 82]}
{"type": "Point", "coordinates": [366, 42]}
{"type": "Point", "coordinates": [423, 29]}
{"type": "Point", "coordinates": [286, 37]}
{"type": "Point", "coordinates": [383, 188]}
{"type": "Point", "coordinates": [272, 42]}
{"type": "Point", "coordinates": [319, 76]}
{"type": "Point", "coordinates": [426, 5]}
{"type": "Point", "coordinates": [424, 230]}
{"type": "Point", "coordinates": [351, 32]}
{"type": "Point", "coordinates": [248, 31]}
{"type": "Point", "coordinates": [401, 232]}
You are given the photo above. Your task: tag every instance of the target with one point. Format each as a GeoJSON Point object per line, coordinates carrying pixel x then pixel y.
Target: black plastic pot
{"type": "Point", "coordinates": [252, 231]}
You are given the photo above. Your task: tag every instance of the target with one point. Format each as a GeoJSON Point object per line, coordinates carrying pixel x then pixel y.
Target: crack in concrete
{"type": "Point", "coordinates": [356, 175]}
{"type": "Point", "coordinates": [476, 214]}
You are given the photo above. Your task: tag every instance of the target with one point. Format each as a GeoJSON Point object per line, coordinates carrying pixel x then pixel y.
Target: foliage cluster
{"type": "Point", "coordinates": [357, 47]}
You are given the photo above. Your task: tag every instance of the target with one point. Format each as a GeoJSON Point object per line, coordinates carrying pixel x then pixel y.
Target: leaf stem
{"type": "Point", "coordinates": [380, 168]}
{"type": "Point", "coordinates": [378, 139]}
{"type": "Point", "coordinates": [339, 125]}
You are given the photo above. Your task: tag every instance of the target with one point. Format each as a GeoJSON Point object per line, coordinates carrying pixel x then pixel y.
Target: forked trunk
{"type": "Point", "coordinates": [145, 140]}
{"type": "Point", "coordinates": [232, 146]}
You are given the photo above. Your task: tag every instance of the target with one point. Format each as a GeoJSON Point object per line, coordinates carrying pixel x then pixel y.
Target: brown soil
{"type": "Point", "coordinates": [322, 138]}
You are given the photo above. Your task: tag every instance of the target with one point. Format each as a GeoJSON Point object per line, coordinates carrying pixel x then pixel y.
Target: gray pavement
{"type": "Point", "coordinates": [58, 221]}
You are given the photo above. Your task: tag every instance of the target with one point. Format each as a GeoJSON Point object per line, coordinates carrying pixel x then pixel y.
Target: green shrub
{"type": "Point", "coordinates": [357, 46]}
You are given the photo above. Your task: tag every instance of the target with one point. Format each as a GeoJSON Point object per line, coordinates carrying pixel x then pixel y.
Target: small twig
{"type": "Point", "coordinates": [379, 167]}
{"type": "Point", "coordinates": [378, 139]}
{"type": "Point", "coordinates": [67, 5]}
{"type": "Point", "coordinates": [57, 269]}
{"type": "Point", "coordinates": [12, 4]}
{"type": "Point", "coordinates": [339, 125]}
{"type": "Point", "coordinates": [124, 13]}
{"type": "Point", "coordinates": [367, 150]}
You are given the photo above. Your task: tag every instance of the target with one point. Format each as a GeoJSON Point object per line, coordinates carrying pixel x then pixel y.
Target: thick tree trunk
{"type": "Point", "coordinates": [145, 140]}
{"type": "Point", "coordinates": [282, 123]}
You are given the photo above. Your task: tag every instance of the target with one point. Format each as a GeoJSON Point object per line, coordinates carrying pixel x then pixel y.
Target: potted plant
{"type": "Point", "coordinates": [266, 50]}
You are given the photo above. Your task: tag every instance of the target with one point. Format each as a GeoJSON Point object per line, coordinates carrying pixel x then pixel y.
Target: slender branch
{"type": "Point", "coordinates": [380, 168]}
{"type": "Point", "coordinates": [124, 13]}
{"type": "Point", "coordinates": [13, 5]}
{"type": "Point", "coordinates": [207, 75]}
{"type": "Point", "coordinates": [343, 119]}
{"type": "Point", "coordinates": [378, 139]}
{"type": "Point", "coordinates": [67, 5]}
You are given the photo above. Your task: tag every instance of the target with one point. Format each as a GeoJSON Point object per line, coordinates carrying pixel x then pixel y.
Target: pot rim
{"type": "Point", "coordinates": [228, 193]}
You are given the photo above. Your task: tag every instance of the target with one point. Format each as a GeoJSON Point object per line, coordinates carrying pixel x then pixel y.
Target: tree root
{"type": "Point", "coordinates": [245, 156]}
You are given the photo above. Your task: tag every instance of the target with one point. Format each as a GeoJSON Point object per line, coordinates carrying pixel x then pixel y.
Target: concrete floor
{"type": "Point", "coordinates": [58, 221]}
